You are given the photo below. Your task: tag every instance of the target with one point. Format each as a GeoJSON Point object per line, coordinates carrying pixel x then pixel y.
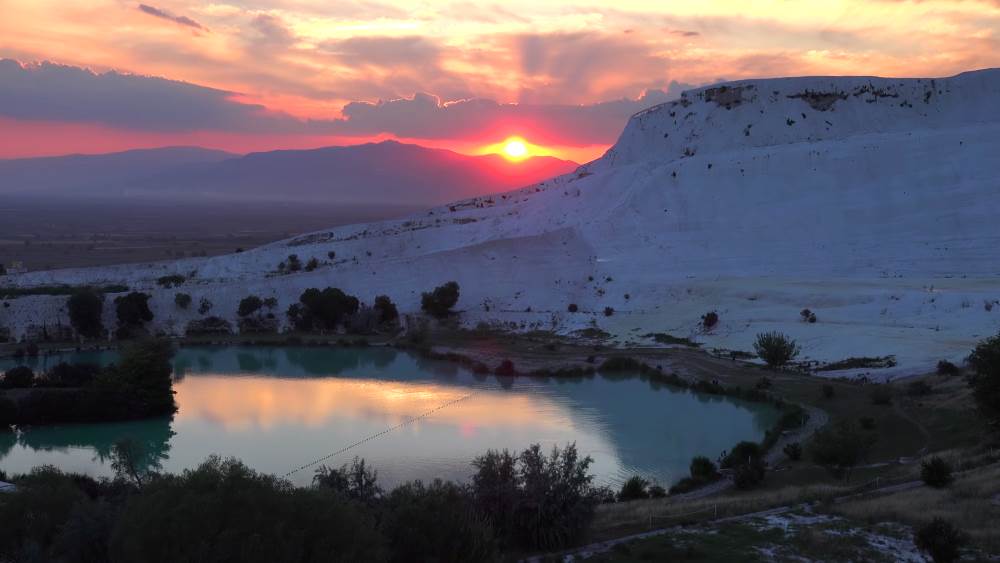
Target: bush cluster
{"type": "Point", "coordinates": [438, 303]}
{"type": "Point", "coordinates": [224, 511]}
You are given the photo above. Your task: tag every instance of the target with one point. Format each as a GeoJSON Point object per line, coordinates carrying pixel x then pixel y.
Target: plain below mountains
{"type": "Point", "coordinates": [376, 173]}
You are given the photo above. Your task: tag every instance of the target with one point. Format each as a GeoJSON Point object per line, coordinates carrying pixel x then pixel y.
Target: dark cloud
{"type": "Point", "coordinates": [271, 31]}
{"type": "Point", "coordinates": [163, 14]}
{"type": "Point", "coordinates": [54, 92]}
{"type": "Point", "coordinates": [425, 116]}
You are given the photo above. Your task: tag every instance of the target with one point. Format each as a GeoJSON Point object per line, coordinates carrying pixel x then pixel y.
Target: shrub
{"type": "Point", "coordinates": [170, 281]}
{"type": "Point", "coordinates": [86, 312]}
{"type": "Point", "coordinates": [208, 326]}
{"type": "Point", "coordinates": [386, 309]}
{"type": "Point", "coordinates": [608, 311]}
{"type": "Point", "coordinates": [356, 481]}
{"type": "Point", "coordinates": [294, 265]}
{"type": "Point", "coordinates": [656, 491]}
{"type": "Point", "coordinates": [436, 522]}
{"type": "Point", "coordinates": [985, 379]}
{"type": "Point", "coordinates": [535, 501]}
{"type": "Point", "coordinates": [944, 367]}
{"type": "Point", "coordinates": [224, 511]}
{"type": "Point", "coordinates": [703, 468]}
{"type": "Point", "coordinates": [763, 383]}
{"type": "Point", "coordinates": [249, 305]}
{"type": "Point", "coordinates": [748, 475]}
{"type": "Point", "coordinates": [322, 310]}
{"type": "Point", "coordinates": [439, 302]}
{"type": "Point", "coordinates": [840, 447]}
{"type": "Point", "coordinates": [793, 451]}
{"type": "Point", "coordinates": [742, 453]}
{"type": "Point", "coordinates": [936, 472]}
{"type": "Point", "coordinates": [572, 308]}
{"type": "Point", "coordinates": [71, 375]}
{"type": "Point", "coordinates": [940, 539]}
{"type": "Point", "coordinates": [881, 395]}
{"type": "Point", "coordinates": [133, 310]}
{"type": "Point", "coordinates": [312, 264]}
{"type": "Point", "coordinates": [331, 255]}
{"type": "Point", "coordinates": [709, 320]}
{"type": "Point", "coordinates": [775, 349]}
{"type": "Point", "coordinates": [182, 300]}
{"type": "Point", "coordinates": [18, 377]}
{"type": "Point", "coordinates": [633, 489]}
{"type": "Point", "coordinates": [204, 306]}
{"type": "Point", "coordinates": [807, 316]}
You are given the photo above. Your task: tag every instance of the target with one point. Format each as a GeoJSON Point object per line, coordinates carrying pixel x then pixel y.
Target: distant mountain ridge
{"type": "Point", "coordinates": [386, 172]}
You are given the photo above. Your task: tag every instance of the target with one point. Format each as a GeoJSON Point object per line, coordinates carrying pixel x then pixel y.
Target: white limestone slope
{"type": "Point", "coordinates": [873, 202]}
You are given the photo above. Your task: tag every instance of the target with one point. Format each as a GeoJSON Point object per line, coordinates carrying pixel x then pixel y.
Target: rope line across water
{"type": "Point", "coordinates": [379, 434]}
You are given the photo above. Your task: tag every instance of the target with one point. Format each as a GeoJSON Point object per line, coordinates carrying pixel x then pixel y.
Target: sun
{"type": "Point", "coordinates": [515, 149]}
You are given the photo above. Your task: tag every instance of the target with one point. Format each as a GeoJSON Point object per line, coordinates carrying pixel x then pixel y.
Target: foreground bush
{"type": "Point", "coordinates": [936, 472]}
{"type": "Point", "coordinates": [775, 348]}
{"type": "Point", "coordinates": [18, 377]}
{"type": "Point", "coordinates": [633, 489]}
{"type": "Point", "coordinates": [940, 539]}
{"type": "Point", "coordinates": [437, 522]}
{"type": "Point", "coordinates": [985, 379]}
{"type": "Point", "coordinates": [224, 511]}
{"type": "Point", "coordinates": [534, 501]}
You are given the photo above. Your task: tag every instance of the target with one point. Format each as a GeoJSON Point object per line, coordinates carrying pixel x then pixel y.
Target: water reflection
{"type": "Point", "coordinates": [277, 408]}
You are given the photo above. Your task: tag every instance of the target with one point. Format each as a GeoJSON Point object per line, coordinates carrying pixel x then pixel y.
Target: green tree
{"type": "Point", "coordinates": [249, 305]}
{"type": "Point", "coordinates": [633, 489]}
{"type": "Point", "coordinates": [841, 447]}
{"type": "Point", "coordinates": [439, 302]}
{"type": "Point", "coordinates": [437, 522]}
{"type": "Point", "coordinates": [139, 385]}
{"type": "Point", "coordinates": [133, 311]}
{"type": "Point", "coordinates": [386, 309]}
{"type": "Point", "coordinates": [536, 501]}
{"type": "Point", "coordinates": [182, 300]}
{"type": "Point", "coordinates": [86, 310]}
{"type": "Point", "coordinates": [775, 348]}
{"type": "Point", "coordinates": [224, 511]}
{"type": "Point", "coordinates": [985, 379]}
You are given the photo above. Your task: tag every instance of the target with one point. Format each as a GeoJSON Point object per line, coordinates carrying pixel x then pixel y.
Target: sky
{"type": "Point", "coordinates": [96, 76]}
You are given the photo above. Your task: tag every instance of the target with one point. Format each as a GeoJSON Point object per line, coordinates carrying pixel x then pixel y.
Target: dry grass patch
{"type": "Point", "coordinates": [972, 503]}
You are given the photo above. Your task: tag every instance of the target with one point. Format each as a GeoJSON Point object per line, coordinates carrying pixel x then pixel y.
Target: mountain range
{"type": "Point", "coordinates": [376, 173]}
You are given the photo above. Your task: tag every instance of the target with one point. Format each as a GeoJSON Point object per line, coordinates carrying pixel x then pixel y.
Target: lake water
{"type": "Point", "coordinates": [279, 408]}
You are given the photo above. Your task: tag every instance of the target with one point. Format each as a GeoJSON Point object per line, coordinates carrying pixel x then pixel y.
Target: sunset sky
{"type": "Point", "coordinates": [242, 75]}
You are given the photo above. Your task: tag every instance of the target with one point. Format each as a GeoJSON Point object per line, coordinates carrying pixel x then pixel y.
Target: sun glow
{"type": "Point", "coordinates": [514, 148]}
